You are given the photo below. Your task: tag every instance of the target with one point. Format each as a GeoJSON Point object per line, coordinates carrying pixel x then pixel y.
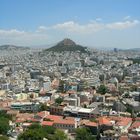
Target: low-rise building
{"type": "Point", "coordinates": [25, 106]}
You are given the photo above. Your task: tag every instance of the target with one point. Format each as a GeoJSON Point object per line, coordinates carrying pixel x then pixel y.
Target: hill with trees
{"type": "Point", "coordinates": [12, 47]}
{"type": "Point", "coordinates": [67, 45]}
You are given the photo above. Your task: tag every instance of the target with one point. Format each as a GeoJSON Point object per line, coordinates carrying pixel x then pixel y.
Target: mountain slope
{"type": "Point", "coordinates": [67, 45]}
{"type": "Point", "coordinates": [12, 47]}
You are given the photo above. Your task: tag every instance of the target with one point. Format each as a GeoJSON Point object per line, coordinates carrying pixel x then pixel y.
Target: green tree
{"type": "Point", "coordinates": [126, 95]}
{"type": "Point", "coordinates": [60, 135]}
{"type": "Point", "coordinates": [84, 134]}
{"type": "Point", "coordinates": [35, 126]}
{"type": "Point", "coordinates": [37, 132]}
{"type": "Point", "coordinates": [4, 138]}
{"type": "Point", "coordinates": [49, 129]}
{"type": "Point", "coordinates": [61, 86]}
{"type": "Point", "coordinates": [102, 89]}
{"type": "Point", "coordinates": [31, 134]}
{"type": "Point", "coordinates": [4, 125]}
{"type": "Point", "coordinates": [43, 107]}
{"type": "Point", "coordinates": [129, 109]}
{"type": "Point", "coordinates": [5, 115]}
{"type": "Point", "coordinates": [93, 119]}
{"type": "Point", "coordinates": [34, 132]}
{"type": "Point", "coordinates": [59, 100]}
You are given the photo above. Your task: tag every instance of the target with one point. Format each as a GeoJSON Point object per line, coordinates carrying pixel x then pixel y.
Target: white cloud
{"type": "Point", "coordinates": [94, 26]}
{"type": "Point", "coordinates": [41, 29]}
{"type": "Point", "coordinates": [12, 32]}
{"type": "Point", "coordinates": [127, 17]}
{"type": "Point", "coordinates": [71, 28]}
{"type": "Point", "coordinates": [18, 37]}
{"type": "Point", "coordinates": [122, 25]}
{"type": "Point", "coordinates": [98, 19]}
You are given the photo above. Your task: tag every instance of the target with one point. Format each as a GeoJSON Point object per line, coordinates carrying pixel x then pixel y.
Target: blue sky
{"type": "Point", "coordinates": [95, 23]}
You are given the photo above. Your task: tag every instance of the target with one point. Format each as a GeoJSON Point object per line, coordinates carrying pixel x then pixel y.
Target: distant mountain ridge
{"type": "Point", "coordinates": [12, 47]}
{"type": "Point", "coordinates": [67, 45]}
{"type": "Point", "coordinates": [130, 50]}
{"type": "Point", "coordinates": [135, 49]}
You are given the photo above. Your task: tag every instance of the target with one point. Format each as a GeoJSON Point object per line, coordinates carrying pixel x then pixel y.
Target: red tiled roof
{"type": "Point", "coordinates": [53, 117]}
{"type": "Point", "coordinates": [124, 121]}
{"type": "Point", "coordinates": [60, 119]}
{"type": "Point", "coordinates": [137, 119]}
{"type": "Point", "coordinates": [104, 121]}
{"type": "Point", "coordinates": [115, 118]}
{"type": "Point", "coordinates": [124, 138]}
{"type": "Point", "coordinates": [64, 121]}
{"type": "Point", "coordinates": [48, 123]}
{"type": "Point", "coordinates": [136, 124]}
{"type": "Point", "coordinates": [20, 121]}
{"type": "Point", "coordinates": [71, 92]}
{"type": "Point", "coordinates": [42, 114]}
{"type": "Point", "coordinates": [91, 124]}
{"type": "Point", "coordinates": [24, 115]}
